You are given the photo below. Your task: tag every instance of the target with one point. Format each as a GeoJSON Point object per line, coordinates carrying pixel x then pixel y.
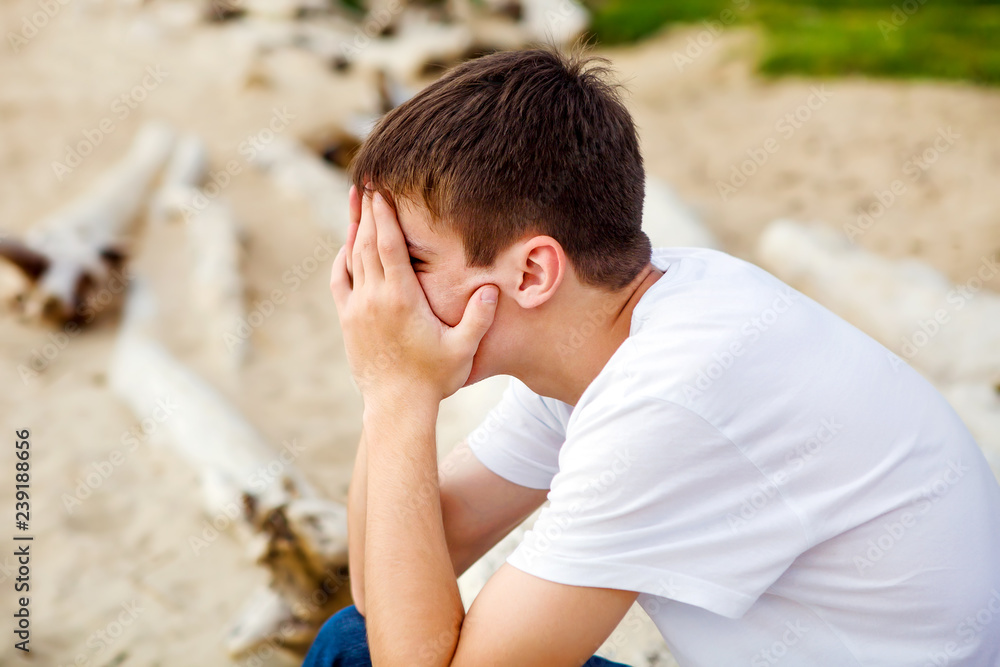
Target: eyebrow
{"type": "Point", "coordinates": [420, 249]}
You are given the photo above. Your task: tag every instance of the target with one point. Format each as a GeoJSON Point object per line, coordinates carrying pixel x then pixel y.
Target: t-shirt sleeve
{"type": "Point", "coordinates": [520, 438]}
{"type": "Point", "coordinates": [651, 498]}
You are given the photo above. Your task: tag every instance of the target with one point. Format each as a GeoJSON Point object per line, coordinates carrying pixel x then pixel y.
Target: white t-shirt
{"type": "Point", "coordinates": [779, 487]}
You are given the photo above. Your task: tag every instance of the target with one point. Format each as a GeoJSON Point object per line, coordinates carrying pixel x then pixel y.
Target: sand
{"type": "Point", "coordinates": [114, 577]}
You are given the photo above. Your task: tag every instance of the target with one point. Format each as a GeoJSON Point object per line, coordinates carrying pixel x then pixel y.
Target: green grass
{"type": "Point", "coordinates": [945, 40]}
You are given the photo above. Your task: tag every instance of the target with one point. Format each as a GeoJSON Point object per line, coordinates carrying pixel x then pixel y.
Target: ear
{"type": "Point", "coordinates": [541, 265]}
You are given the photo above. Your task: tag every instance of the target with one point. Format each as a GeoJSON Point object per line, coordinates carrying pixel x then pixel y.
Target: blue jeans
{"type": "Point", "coordinates": [342, 642]}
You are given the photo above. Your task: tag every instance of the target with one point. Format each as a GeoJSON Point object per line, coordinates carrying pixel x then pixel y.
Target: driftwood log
{"type": "Point", "coordinates": [667, 221]}
{"type": "Point", "coordinates": [214, 248]}
{"type": "Point", "coordinates": [403, 39]}
{"type": "Point", "coordinates": [69, 257]}
{"type": "Point", "coordinates": [184, 172]}
{"type": "Point", "coordinates": [301, 173]}
{"type": "Point", "coordinates": [950, 332]}
{"type": "Point", "coordinates": [289, 529]}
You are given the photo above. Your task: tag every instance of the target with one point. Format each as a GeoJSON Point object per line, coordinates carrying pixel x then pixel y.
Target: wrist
{"type": "Point", "coordinates": [398, 406]}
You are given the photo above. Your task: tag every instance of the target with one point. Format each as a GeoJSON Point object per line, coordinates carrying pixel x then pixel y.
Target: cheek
{"type": "Point", "coordinates": [445, 300]}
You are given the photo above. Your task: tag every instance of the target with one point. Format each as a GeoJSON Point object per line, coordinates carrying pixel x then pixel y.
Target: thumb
{"type": "Point", "coordinates": [478, 316]}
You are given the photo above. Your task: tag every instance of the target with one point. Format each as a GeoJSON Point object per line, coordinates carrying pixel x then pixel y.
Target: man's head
{"type": "Point", "coordinates": [519, 168]}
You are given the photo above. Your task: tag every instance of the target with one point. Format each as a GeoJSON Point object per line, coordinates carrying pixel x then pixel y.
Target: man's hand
{"type": "Point", "coordinates": [396, 345]}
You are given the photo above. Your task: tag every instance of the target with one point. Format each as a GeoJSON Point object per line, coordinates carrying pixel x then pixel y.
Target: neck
{"type": "Point", "coordinates": [583, 330]}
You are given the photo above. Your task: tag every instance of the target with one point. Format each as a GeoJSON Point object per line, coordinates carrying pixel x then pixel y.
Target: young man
{"type": "Point", "coordinates": [771, 484]}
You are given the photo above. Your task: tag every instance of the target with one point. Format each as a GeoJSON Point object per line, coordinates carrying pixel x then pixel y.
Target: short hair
{"type": "Point", "coordinates": [516, 143]}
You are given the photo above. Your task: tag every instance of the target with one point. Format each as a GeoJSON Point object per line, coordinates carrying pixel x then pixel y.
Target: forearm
{"type": "Point", "coordinates": [356, 513]}
{"type": "Point", "coordinates": [414, 610]}
{"type": "Point", "coordinates": [405, 360]}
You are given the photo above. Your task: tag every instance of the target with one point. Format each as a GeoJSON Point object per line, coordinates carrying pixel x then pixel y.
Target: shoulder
{"type": "Point", "coordinates": [713, 329]}
{"type": "Point", "coordinates": [705, 273]}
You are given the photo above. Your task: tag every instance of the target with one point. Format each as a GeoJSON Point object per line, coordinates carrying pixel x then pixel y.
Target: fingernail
{"type": "Point", "coordinates": [489, 295]}
{"type": "Point", "coordinates": [378, 198]}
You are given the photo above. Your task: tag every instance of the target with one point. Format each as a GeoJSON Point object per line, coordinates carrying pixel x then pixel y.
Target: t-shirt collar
{"type": "Point", "coordinates": [640, 312]}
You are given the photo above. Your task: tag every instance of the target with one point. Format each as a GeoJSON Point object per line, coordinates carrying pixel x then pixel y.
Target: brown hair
{"type": "Point", "coordinates": [520, 142]}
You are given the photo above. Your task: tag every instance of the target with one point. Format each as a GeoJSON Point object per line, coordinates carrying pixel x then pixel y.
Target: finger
{"type": "Point", "coordinates": [352, 232]}
{"type": "Point", "coordinates": [340, 279]}
{"type": "Point", "coordinates": [391, 243]}
{"type": "Point", "coordinates": [365, 246]}
{"type": "Point", "coordinates": [354, 205]}
{"type": "Point", "coordinates": [357, 266]}
{"type": "Point", "coordinates": [478, 316]}
{"type": "Point", "coordinates": [354, 218]}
